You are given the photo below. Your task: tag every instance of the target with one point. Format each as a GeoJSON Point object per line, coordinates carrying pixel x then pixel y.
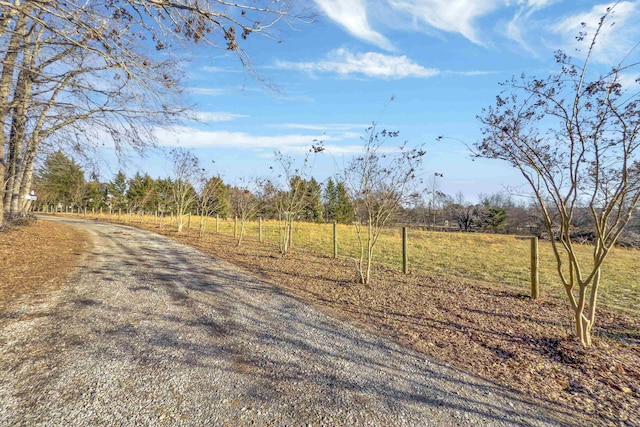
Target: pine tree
{"type": "Point", "coordinates": [330, 200]}
{"type": "Point", "coordinates": [343, 207]}
{"type": "Point", "coordinates": [118, 190]}
{"type": "Point", "coordinates": [61, 180]}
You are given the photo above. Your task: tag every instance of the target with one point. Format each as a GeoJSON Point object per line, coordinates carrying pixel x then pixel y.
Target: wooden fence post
{"type": "Point", "coordinates": [217, 223]}
{"type": "Point", "coordinates": [405, 255]}
{"type": "Point", "coordinates": [260, 229]}
{"type": "Point", "coordinates": [535, 278]}
{"type": "Point", "coordinates": [335, 239]}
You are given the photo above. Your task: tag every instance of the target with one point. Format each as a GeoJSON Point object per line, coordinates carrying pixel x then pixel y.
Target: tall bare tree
{"type": "Point", "coordinates": [213, 198]}
{"type": "Point", "coordinates": [186, 170]}
{"type": "Point", "coordinates": [574, 138]}
{"type": "Point", "coordinates": [245, 205]}
{"type": "Point", "coordinates": [291, 200]}
{"type": "Point", "coordinates": [76, 71]}
{"type": "Point", "coordinates": [379, 182]}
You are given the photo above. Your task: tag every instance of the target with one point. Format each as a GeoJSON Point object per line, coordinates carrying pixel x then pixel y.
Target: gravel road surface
{"type": "Point", "coordinates": [151, 332]}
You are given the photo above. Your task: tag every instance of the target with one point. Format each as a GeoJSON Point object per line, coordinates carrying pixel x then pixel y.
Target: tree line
{"type": "Point", "coordinates": [61, 184]}
{"type": "Point", "coordinates": [79, 74]}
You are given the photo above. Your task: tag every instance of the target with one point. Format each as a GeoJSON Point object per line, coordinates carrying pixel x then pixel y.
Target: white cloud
{"type": "Point", "coordinates": [471, 73]}
{"type": "Point", "coordinates": [208, 91]}
{"type": "Point", "coordinates": [454, 16]}
{"type": "Point", "coordinates": [216, 116]}
{"type": "Point", "coordinates": [216, 69]}
{"type": "Point", "coordinates": [523, 20]}
{"type": "Point", "coordinates": [327, 127]}
{"type": "Point", "coordinates": [614, 41]}
{"type": "Point", "coordinates": [629, 81]}
{"type": "Point", "coordinates": [370, 64]}
{"type": "Point", "coordinates": [352, 16]}
{"type": "Point", "coordinates": [514, 28]}
{"type": "Point", "coordinates": [196, 138]}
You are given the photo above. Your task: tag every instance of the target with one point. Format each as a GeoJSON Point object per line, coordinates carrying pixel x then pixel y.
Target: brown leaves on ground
{"type": "Point", "coordinates": [36, 259]}
{"type": "Point", "coordinates": [492, 330]}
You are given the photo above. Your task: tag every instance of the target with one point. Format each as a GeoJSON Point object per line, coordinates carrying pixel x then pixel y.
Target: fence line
{"type": "Point", "coordinates": [498, 258]}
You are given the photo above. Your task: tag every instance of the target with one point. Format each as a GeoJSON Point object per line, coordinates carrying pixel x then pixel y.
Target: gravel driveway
{"type": "Point", "coordinates": [152, 332]}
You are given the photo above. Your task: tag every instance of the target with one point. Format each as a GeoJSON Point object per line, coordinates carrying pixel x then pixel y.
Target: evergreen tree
{"type": "Point", "coordinates": [492, 218]}
{"type": "Point", "coordinates": [313, 203]}
{"type": "Point", "coordinates": [60, 180]}
{"type": "Point", "coordinates": [217, 197]}
{"type": "Point", "coordinates": [164, 196]}
{"type": "Point", "coordinates": [141, 193]}
{"type": "Point", "coordinates": [93, 195]}
{"type": "Point", "coordinates": [330, 200]}
{"type": "Point", "coordinates": [343, 207]}
{"type": "Point", "coordinates": [118, 190]}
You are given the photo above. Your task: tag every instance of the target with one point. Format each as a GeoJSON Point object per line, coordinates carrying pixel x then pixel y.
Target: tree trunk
{"type": "Point", "coordinates": [242, 221]}
{"type": "Point", "coordinates": [8, 69]}
{"type": "Point", "coordinates": [17, 135]}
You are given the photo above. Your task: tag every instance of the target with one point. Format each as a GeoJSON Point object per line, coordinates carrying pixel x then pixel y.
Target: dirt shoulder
{"type": "Point", "coordinates": [36, 259]}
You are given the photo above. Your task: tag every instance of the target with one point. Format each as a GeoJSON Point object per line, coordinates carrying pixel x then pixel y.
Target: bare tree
{"type": "Point", "coordinates": [463, 212]}
{"type": "Point", "coordinates": [214, 198]}
{"type": "Point", "coordinates": [245, 205]}
{"type": "Point", "coordinates": [574, 138]}
{"type": "Point", "coordinates": [75, 71]}
{"type": "Point", "coordinates": [290, 201]}
{"type": "Point", "coordinates": [186, 169]}
{"type": "Point", "coordinates": [379, 183]}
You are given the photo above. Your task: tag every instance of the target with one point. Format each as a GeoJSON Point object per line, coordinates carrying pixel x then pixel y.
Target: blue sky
{"type": "Point", "coordinates": [441, 60]}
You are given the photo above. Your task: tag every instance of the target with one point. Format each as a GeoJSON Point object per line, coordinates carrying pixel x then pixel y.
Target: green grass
{"type": "Point", "coordinates": [487, 257]}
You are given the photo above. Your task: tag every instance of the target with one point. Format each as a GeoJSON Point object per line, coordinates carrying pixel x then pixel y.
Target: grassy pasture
{"type": "Point", "coordinates": [487, 257]}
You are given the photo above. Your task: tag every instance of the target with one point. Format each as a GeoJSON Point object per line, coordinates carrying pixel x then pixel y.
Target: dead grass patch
{"type": "Point", "coordinates": [36, 259]}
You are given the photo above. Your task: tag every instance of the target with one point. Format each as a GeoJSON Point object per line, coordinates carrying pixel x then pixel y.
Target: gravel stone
{"type": "Point", "coordinates": [151, 332]}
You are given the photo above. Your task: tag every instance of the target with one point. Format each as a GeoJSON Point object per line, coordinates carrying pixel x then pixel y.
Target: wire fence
{"type": "Point", "coordinates": [487, 257]}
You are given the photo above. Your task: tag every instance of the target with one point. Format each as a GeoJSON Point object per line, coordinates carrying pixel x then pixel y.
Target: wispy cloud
{"type": "Point", "coordinates": [454, 16]}
{"type": "Point", "coordinates": [209, 91]}
{"type": "Point", "coordinates": [197, 138]}
{"type": "Point", "coordinates": [629, 81]}
{"type": "Point", "coordinates": [216, 69]}
{"type": "Point", "coordinates": [352, 16]}
{"type": "Point", "coordinates": [369, 64]}
{"type": "Point", "coordinates": [327, 127]}
{"type": "Point", "coordinates": [523, 20]}
{"type": "Point", "coordinates": [470, 73]}
{"type": "Point", "coordinates": [216, 116]}
{"type": "Point", "coordinates": [614, 41]}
